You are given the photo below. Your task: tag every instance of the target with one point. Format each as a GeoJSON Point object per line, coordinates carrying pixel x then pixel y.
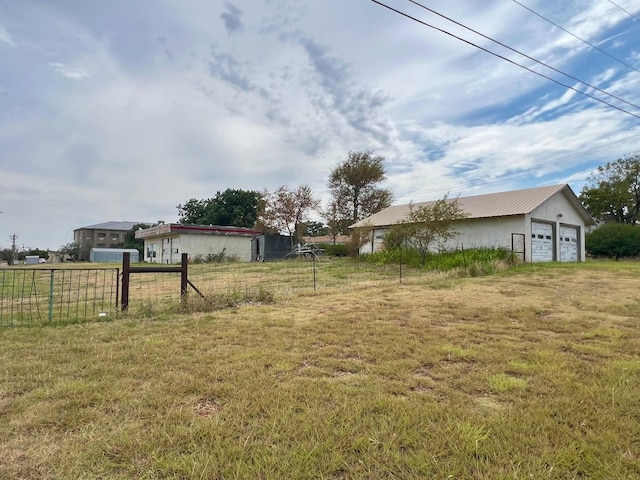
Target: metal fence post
{"type": "Point", "coordinates": [184, 275]}
{"type": "Point", "coordinates": [51, 285]}
{"type": "Point", "coordinates": [313, 258]}
{"type": "Point", "coordinates": [126, 266]}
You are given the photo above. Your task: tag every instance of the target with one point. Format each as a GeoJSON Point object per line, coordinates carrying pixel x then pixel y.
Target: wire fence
{"type": "Point", "coordinates": [48, 295]}
{"type": "Point", "coordinates": [31, 296]}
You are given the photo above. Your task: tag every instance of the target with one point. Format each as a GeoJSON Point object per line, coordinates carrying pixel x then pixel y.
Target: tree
{"type": "Point", "coordinates": [614, 240]}
{"type": "Point", "coordinates": [8, 255]}
{"type": "Point", "coordinates": [130, 240]}
{"type": "Point", "coordinates": [426, 226]}
{"type": "Point", "coordinates": [354, 188]}
{"type": "Point", "coordinates": [72, 249]}
{"type": "Point", "coordinates": [315, 229]}
{"type": "Point", "coordinates": [613, 192]}
{"type": "Point", "coordinates": [285, 210]}
{"type": "Point", "coordinates": [235, 207]}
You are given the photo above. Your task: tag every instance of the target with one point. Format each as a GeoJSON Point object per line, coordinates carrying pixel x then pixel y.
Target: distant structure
{"type": "Point", "coordinates": [102, 235]}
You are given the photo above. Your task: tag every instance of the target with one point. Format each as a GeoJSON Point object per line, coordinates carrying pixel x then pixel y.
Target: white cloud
{"type": "Point", "coordinates": [74, 73]}
{"type": "Point", "coordinates": [6, 38]}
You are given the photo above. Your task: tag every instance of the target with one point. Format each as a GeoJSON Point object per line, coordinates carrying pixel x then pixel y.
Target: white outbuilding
{"type": "Point", "coordinates": [165, 243]}
{"type": "Point", "coordinates": [541, 224]}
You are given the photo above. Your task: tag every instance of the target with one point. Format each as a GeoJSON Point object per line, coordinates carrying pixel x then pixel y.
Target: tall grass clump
{"type": "Point", "coordinates": [474, 262]}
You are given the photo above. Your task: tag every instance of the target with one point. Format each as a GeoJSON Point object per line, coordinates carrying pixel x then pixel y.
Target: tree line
{"type": "Point", "coordinates": [356, 193]}
{"type": "Point", "coordinates": [612, 197]}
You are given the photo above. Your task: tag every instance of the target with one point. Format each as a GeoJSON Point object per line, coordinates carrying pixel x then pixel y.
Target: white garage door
{"type": "Point", "coordinates": [541, 242]}
{"type": "Point", "coordinates": [568, 244]}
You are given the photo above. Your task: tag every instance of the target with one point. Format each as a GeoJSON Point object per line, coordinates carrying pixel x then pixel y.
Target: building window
{"type": "Point", "coordinates": [101, 245]}
{"type": "Point", "coordinates": [115, 236]}
{"type": "Point", "coordinates": [102, 236]}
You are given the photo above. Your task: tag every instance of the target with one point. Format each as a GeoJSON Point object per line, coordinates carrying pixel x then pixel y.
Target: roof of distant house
{"type": "Point", "coordinates": [339, 239]}
{"type": "Point", "coordinates": [113, 225]}
{"type": "Point", "coordinates": [500, 204]}
{"type": "Point", "coordinates": [167, 228]}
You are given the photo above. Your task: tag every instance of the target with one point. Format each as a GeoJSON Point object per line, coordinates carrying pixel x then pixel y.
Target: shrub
{"type": "Point", "coordinates": [338, 250]}
{"type": "Point", "coordinates": [614, 240]}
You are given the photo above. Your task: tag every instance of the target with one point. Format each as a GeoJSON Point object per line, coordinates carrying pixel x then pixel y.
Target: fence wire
{"type": "Point", "coordinates": [49, 295]}
{"type": "Point", "coordinates": [41, 295]}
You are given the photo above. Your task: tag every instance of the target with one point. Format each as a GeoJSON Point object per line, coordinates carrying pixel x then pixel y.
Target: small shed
{"type": "Point", "coordinates": [110, 255]}
{"type": "Point", "coordinates": [165, 243]}
{"type": "Point", "coordinates": [31, 260]}
{"type": "Point", "coordinates": [268, 247]}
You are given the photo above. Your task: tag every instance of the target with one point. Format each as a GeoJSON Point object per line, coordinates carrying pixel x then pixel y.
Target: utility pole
{"type": "Point", "coordinates": [13, 239]}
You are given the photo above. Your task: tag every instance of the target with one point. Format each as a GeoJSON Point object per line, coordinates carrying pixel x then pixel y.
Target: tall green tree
{"type": "Point", "coordinates": [426, 226]}
{"type": "Point", "coordinates": [613, 191]}
{"type": "Point", "coordinates": [285, 210]}
{"type": "Point", "coordinates": [355, 188]}
{"type": "Point", "coordinates": [130, 240]}
{"type": "Point", "coordinates": [235, 207]}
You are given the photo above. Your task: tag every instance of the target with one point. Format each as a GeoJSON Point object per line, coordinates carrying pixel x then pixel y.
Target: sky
{"type": "Point", "coordinates": [123, 110]}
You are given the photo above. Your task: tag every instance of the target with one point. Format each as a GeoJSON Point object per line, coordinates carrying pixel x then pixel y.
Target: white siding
{"type": "Point", "coordinates": [169, 248]}
{"type": "Point", "coordinates": [204, 244]}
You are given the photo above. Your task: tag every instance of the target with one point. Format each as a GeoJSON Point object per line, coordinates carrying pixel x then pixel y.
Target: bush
{"type": "Point", "coordinates": [443, 260]}
{"type": "Point", "coordinates": [338, 250]}
{"type": "Point", "coordinates": [614, 240]}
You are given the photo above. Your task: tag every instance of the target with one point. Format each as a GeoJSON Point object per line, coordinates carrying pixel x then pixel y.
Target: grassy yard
{"type": "Point", "coordinates": [532, 373]}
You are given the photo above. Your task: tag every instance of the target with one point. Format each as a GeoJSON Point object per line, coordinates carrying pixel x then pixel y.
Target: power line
{"type": "Point", "coordinates": [523, 54]}
{"type": "Point", "coordinates": [628, 13]}
{"type": "Point", "coordinates": [576, 36]}
{"type": "Point", "coordinates": [504, 58]}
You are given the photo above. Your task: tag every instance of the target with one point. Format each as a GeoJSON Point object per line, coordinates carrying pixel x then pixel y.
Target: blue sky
{"type": "Point", "coordinates": [122, 110]}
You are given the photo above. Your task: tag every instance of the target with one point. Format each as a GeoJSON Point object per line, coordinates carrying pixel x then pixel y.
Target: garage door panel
{"type": "Point", "coordinates": [541, 242]}
{"type": "Point", "coordinates": [568, 244]}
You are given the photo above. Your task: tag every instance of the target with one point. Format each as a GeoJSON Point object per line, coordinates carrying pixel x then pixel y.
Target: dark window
{"type": "Point", "coordinates": [548, 237]}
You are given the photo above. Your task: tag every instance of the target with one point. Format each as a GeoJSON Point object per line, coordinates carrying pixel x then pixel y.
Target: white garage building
{"type": "Point", "coordinates": [165, 243]}
{"type": "Point", "coordinates": [541, 224]}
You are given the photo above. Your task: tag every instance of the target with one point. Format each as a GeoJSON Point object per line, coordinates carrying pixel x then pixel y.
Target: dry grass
{"type": "Point", "coordinates": [532, 374]}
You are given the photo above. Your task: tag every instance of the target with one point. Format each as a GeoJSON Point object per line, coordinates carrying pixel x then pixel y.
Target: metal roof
{"type": "Point", "coordinates": [501, 204]}
{"type": "Point", "coordinates": [167, 228]}
{"type": "Point", "coordinates": [113, 225]}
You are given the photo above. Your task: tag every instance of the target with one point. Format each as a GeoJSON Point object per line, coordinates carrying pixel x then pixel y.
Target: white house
{"type": "Point", "coordinates": [541, 224]}
{"type": "Point", "coordinates": [165, 243]}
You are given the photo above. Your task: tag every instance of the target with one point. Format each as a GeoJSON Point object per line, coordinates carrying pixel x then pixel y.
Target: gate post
{"type": "Point", "coordinates": [184, 277]}
{"type": "Point", "coordinates": [126, 270]}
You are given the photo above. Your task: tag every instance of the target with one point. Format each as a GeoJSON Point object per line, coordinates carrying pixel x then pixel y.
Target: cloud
{"type": "Point", "coordinates": [232, 18]}
{"type": "Point", "coordinates": [6, 38]}
{"type": "Point", "coordinates": [358, 104]}
{"type": "Point", "coordinates": [70, 72]}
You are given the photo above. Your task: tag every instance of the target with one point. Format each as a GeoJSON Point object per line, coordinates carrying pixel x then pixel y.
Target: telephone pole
{"type": "Point", "coordinates": [13, 239]}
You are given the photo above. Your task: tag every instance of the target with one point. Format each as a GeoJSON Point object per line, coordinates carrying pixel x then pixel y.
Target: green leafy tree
{"type": "Point", "coordinates": [614, 240]}
{"type": "Point", "coordinates": [426, 226]}
{"type": "Point", "coordinates": [286, 210]}
{"type": "Point", "coordinates": [72, 249]}
{"type": "Point", "coordinates": [234, 207]}
{"type": "Point", "coordinates": [315, 229]}
{"type": "Point", "coordinates": [130, 240]}
{"type": "Point", "coordinates": [355, 190]}
{"type": "Point", "coordinates": [613, 192]}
